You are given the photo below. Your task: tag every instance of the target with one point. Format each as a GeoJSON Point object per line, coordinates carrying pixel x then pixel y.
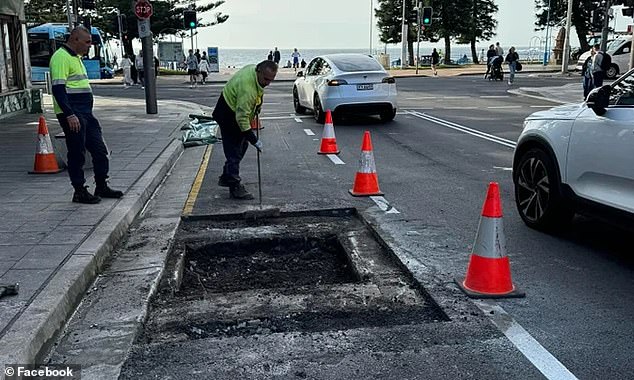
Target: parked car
{"type": "Point", "coordinates": [345, 83]}
{"type": "Point", "coordinates": [578, 158]}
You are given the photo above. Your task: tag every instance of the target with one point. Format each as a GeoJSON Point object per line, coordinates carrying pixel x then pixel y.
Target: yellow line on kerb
{"type": "Point", "coordinates": [193, 193]}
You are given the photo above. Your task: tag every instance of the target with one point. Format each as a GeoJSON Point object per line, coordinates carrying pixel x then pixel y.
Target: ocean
{"type": "Point", "coordinates": [242, 57]}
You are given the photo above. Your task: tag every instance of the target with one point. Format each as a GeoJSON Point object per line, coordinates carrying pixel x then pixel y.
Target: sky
{"type": "Point", "coordinates": [335, 24]}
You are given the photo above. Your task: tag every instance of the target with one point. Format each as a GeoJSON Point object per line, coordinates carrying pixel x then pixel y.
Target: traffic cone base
{"type": "Point", "coordinates": [489, 269]}
{"type": "Point", "coordinates": [45, 160]}
{"type": "Point", "coordinates": [328, 139]}
{"type": "Point", "coordinates": [365, 184]}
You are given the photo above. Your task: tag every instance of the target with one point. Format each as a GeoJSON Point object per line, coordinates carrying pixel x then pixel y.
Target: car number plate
{"type": "Point", "coordinates": [361, 87]}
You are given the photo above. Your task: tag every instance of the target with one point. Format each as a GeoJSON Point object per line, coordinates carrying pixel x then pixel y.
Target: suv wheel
{"type": "Point", "coordinates": [299, 109]}
{"type": "Point", "coordinates": [388, 115]}
{"type": "Point", "coordinates": [318, 111]}
{"type": "Point", "coordinates": [537, 192]}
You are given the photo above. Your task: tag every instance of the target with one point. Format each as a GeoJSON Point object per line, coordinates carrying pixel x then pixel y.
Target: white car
{"type": "Point", "coordinates": [578, 158]}
{"type": "Point", "coordinates": [345, 83]}
{"type": "Point", "coordinates": [619, 50]}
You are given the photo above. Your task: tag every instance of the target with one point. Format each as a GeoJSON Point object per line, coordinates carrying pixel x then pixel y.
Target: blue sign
{"type": "Point", "coordinates": [214, 64]}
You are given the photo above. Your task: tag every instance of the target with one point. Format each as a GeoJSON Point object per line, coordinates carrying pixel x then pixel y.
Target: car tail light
{"type": "Point", "coordinates": [336, 82]}
{"type": "Point", "coordinates": [389, 80]}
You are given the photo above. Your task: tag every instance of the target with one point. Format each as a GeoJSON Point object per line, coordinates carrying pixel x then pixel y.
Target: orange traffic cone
{"type": "Point", "coordinates": [489, 270]}
{"type": "Point", "coordinates": [366, 182]}
{"type": "Point", "coordinates": [328, 139]}
{"type": "Point", "coordinates": [45, 161]}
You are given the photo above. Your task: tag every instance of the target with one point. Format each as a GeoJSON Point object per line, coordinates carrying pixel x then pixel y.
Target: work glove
{"type": "Point", "coordinates": [258, 145]}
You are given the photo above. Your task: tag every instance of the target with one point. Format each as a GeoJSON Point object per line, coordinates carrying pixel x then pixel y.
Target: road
{"type": "Point", "coordinates": [451, 137]}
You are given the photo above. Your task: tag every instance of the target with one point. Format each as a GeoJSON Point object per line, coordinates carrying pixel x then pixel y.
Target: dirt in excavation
{"type": "Point", "coordinates": [265, 263]}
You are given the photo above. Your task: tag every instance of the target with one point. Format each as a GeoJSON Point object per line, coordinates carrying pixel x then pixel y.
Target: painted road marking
{"type": "Point", "coordinates": [543, 360]}
{"type": "Point", "coordinates": [462, 128]}
{"type": "Point", "coordinates": [198, 182]}
{"type": "Point", "coordinates": [384, 205]}
{"type": "Point", "coordinates": [283, 117]}
{"type": "Point", "coordinates": [503, 107]}
{"type": "Point", "coordinates": [335, 159]}
{"type": "Point", "coordinates": [494, 96]}
{"type": "Point", "coordinates": [309, 132]}
{"type": "Point", "coordinates": [455, 97]}
{"type": "Point", "coordinates": [423, 97]}
{"type": "Point", "coordinates": [503, 168]}
{"type": "Point", "coordinates": [541, 106]}
{"type": "Point", "coordinates": [298, 120]}
{"type": "Point", "coordinates": [461, 108]}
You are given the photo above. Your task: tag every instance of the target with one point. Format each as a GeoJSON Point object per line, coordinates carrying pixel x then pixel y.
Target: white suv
{"type": "Point", "coordinates": [578, 158]}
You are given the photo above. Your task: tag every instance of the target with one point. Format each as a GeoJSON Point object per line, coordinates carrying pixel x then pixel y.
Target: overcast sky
{"type": "Point", "coordinates": [335, 24]}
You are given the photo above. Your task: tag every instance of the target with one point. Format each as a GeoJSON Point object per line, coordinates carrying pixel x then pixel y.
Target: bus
{"type": "Point", "coordinates": [45, 39]}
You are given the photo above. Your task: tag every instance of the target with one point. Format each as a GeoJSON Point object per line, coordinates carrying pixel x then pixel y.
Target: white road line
{"type": "Point", "coordinates": [460, 108]}
{"type": "Point", "coordinates": [309, 132]}
{"type": "Point", "coordinates": [494, 96]}
{"type": "Point", "coordinates": [384, 205]}
{"type": "Point", "coordinates": [335, 160]}
{"type": "Point", "coordinates": [422, 98]}
{"type": "Point", "coordinates": [543, 360]}
{"type": "Point", "coordinates": [503, 107]}
{"type": "Point", "coordinates": [467, 130]}
{"type": "Point", "coordinates": [503, 168]}
{"type": "Point", "coordinates": [455, 97]}
{"type": "Point", "coordinates": [541, 106]}
{"type": "Point", "coordinates": [283, 117]}
{"type": "Point", "coordinates": [298, 120]}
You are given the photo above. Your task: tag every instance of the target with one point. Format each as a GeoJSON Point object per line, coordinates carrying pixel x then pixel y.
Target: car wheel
{"type": "Point", "coordinates": [612, 72]}
{"type": "Point", "coordinates": [298, 107]}
{"type": "Point", "coordinates": [318, 111]}
{"type": "Point", "coordinates": [537, 192]}
{"type": "Point", "coordinates": [388, 115]}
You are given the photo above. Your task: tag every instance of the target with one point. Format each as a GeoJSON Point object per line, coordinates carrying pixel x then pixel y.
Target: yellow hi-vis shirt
{"type": "Point", "coordinates": [68, 69]}
{"type": "Point", "coordinates": [243, 95]}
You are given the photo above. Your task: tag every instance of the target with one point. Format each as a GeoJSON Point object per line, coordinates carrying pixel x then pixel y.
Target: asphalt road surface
{"type": "Point", "coordinates": [451, 137]}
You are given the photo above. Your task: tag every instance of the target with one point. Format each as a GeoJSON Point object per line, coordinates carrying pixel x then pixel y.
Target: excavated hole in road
{"type": "Point", "coordinates": [298, 272]}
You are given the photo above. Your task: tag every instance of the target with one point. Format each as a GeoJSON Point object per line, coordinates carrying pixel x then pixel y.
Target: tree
{"type": "Point", "coordinates": [480, 26]}
{"type": "Point", "coordinates": [43, 11]}
{"type": "Point", "coordinates": [581, 15]}
{"type": "Point", "coordinates": [389, 20]}
{"type": "Point", "coordinates": [451, 19]}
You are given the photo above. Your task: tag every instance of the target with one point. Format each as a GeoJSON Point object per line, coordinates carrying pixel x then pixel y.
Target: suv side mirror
{"type": "Point", "coordinates": [599, 99]}
{"type": "Point", "coordinates": [300, 74]}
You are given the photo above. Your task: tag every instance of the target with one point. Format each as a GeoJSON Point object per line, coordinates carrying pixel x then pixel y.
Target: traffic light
{"type": "Point", "coordinates": [412, 17]}
{"type": "Point", "coordinates": [189, 17]}
{"type": "Point", "coordinates": [427, 13]}
{"type": "Point", "coordinates": [88, 4]}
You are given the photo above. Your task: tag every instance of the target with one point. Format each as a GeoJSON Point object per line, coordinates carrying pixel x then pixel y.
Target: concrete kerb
{"type": "Point", "coordinates": [47, 313]}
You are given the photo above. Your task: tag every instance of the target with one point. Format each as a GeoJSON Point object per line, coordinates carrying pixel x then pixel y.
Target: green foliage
{"type": "Point", "coordinates": [580, 16]}
{"type": "Point", "coordinates": [43, 11]}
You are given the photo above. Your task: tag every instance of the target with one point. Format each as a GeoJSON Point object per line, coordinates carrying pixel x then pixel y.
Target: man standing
{"type": "Point", "coordinates": [192, 68]}
{"type": "Point", "coordinates": [597, 70]}
{"type": "Point", "coordinates": [276, 56]}
{"type": "Point", "coordinates": [498, 49]}
{"type": "Point", "coordinates": [138, 62]}
{"type": "Point", "coordinates": [237, 108]}
{"type": "Point", "coordinates": [73, 102]}
{"type": "Point", "coordinates": [126, 64]}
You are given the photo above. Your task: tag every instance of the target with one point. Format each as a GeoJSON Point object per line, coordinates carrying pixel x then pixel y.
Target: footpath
{"type": "Point", "coordinates": [54, 248]}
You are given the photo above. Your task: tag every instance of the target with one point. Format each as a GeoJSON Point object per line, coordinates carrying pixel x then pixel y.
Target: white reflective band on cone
{"type": "Point", "coordinates": [44, 145]}
{"type": "Point", "coordinates": [329, 131]}
{"type": "Point", "coordinates": [366, 164]}
{"type": "Point", "coordinates": [490, 231]}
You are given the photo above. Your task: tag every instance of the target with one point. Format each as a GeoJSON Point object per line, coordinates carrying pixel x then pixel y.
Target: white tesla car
{"type": "Point", "coordinates": [578, 158]}
{"type": "Point", "coordinates": [345, 83]}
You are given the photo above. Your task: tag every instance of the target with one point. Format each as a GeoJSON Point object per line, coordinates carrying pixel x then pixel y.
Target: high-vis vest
{"type": "Point", "coordinates": [243, 95]}
{"type": "Point", "coordinates": [70, 71]}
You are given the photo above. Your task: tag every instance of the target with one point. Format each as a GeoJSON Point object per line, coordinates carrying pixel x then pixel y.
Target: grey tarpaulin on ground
{"type": "Point", "coordinates": [199, 131]}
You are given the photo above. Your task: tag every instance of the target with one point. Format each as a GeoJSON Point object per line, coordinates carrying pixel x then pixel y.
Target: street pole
{"type": "Point", "coordinates": [120, 34]}
{"type": "Point", "coordinates": [418, 26]}
{"type": "Point", "coordinates": [547, 32]}
{"type": "Point", "coordinates": [403, 39]}
{"type": "Point", "coordinates": [566, 57]}
{"type": "Point", "coordinates": [191, 37]}
{"type": "Point", "coordinates": [606, 26]}
{"type": "Point", "coordinates": [68, 14]}
{"type": "Point", "coordinates": [371, 11]}
{"type": "Point", "coordinates": [632, 47]}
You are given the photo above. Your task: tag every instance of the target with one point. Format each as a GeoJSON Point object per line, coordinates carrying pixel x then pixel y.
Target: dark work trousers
{"type": "Point", "coordinates": [597, 79]}
{"type": "Point", "coordinates": [587, 86]}
{"type": "Point", "coordinates": [234, 141]}
{"type": "Point", "coordinates": [88, 138]}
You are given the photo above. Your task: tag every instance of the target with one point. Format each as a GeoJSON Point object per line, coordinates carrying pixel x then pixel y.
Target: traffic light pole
{"type": "Point", "coordinates": [566, 56]}
{"type": "Point", "coordinates": [632, 48]}
{"type": "Point", "coordinates": [606, 26]}
{"type": "Point", "coordinates": [403, 39]}
{"type": "Point", "coordinates": [120, 34]}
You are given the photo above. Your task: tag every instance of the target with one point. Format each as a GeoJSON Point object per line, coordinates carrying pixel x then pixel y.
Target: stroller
{"type": "Point", "coordinates": [495, 66]}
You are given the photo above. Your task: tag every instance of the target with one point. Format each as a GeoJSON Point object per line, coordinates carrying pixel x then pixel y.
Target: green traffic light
{"type": "Point", "coordinates": [192, 24]}
{"type": "Point", "coordinates": [426, 21]}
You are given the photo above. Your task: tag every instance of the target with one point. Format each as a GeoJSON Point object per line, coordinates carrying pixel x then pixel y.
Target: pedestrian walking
{"type": "Point", "coordinates": [498, 50]}
{"type": "Point", "coordinates": [203, 67]}
{"type": "Point", "coordinates": [511, 59]}
{"type": "Point", "coordinates": [126, 65]}
{"type": "Point", "coordinates": [198, 56]}
{"type": "Point", "coordinates": [586, 73]}
{"type": "Point", "coordinates": [204, 56]}
{"type": "Point", "coordinates": [235, 112]}
{"type": "Point", "coordinates": [491, 54]}
{"type": "Point", "coordinates": [192, 68]}
{"type": "Point", "coordinates": [270, 56]}
{"type": "Point", "coordinates": [295, 55]}
{"type": "Point", "coordinates": [138, 62]}
{"type": "Point", "coordinates": [435, 59]}
{"type": "Point", "coordinates": [276, 56]}
{"type": "Point", "coordinates": [73, 103]}
{"type": "Point", "coordinates": [598, 73]}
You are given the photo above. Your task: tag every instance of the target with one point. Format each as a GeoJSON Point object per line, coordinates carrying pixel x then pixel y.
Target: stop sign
{"type": "Point", "coordinates": [143, 9]}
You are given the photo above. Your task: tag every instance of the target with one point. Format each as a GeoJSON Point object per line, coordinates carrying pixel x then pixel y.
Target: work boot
{"type": "Point", "coordinates": [104, 191]}
{"type": "Point", "coordinates": [82, 195]}
{"type": "Point", "coordinates": [239, 192]}
{"type": "Point", "coordinates": [222, 181]}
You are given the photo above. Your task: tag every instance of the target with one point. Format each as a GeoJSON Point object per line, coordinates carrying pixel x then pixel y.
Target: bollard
{"type": "Point", "coordinates": [49, 85]}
